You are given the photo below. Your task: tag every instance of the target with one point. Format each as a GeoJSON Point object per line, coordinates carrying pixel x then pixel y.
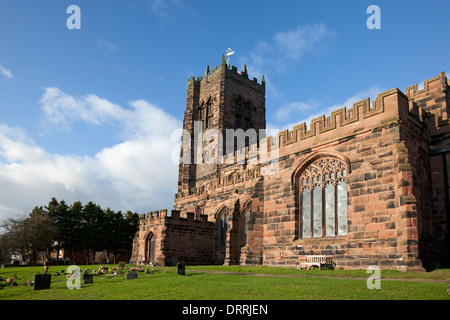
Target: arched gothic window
{"type": "Point", "coordinates": [223, 220]}
{"type": "Point", "coordinates": [206, 114]}
{"type": "Point", "coordinates": [323, 198]}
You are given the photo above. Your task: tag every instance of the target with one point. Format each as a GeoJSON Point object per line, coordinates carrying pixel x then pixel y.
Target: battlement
{"type": "Point", "coordinates": [230, 72]}
{"type": "Point", "coordinates": [432, 99]}
{"type": "Point", "coordinates": [161, 217]}
{"type": "Point", "coordinates": [437, 83]}
{"type": "Point", "coordinates": [339, 120]}
{"type": "Point", "coordinates": [360, 112]}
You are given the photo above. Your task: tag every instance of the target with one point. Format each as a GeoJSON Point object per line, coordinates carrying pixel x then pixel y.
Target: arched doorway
{"type": "Point", "coordinates": [150, 245]}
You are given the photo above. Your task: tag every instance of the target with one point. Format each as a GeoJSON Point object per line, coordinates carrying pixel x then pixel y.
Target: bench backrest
{"type": "Point", "coordinates": [316, 259]}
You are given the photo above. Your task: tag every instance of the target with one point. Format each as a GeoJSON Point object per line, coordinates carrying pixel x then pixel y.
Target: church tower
{"type": "Point", "coordinates": [223, 99]}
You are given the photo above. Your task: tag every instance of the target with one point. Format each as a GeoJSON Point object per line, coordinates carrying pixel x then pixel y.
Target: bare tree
{"type": "Point", "coordinates": [30, 234]}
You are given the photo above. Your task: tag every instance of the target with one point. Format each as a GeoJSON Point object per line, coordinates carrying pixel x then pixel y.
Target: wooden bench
{"type": "Point", "coordinates": [316, 260]}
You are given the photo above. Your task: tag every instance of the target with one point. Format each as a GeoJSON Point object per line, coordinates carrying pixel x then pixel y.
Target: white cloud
{"type": "Point", "coordinates": [166, 8]}
{"type": "Point", "coordinates": [284, 51]}
{"type": "Point", "coordinates": [293, 44]}
{"type": "Point", "coordinates": [101, 42]}
{"type": "Point", "coordinates": [285, 113]}
{"type": "Point", "coordinates": [286, 48]}
{"type": "Point", "coordinates": [7, 73]}
{"type": "Point", "coordinates": [136, 174]}
{"type": "Point", "coordinates": [61, 110]}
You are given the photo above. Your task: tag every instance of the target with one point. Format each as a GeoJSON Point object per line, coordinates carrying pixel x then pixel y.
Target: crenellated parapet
{"type": "Point", "coordinates": [437, 83]}
{"type": "Point", "coordinates": [231, 72]}
{"type": "Point", "coordinates": [161, 217]}
{"type": "Point", "coordinates": [359, 114]}
{"type": "Point", "coordinates": [433, 99]}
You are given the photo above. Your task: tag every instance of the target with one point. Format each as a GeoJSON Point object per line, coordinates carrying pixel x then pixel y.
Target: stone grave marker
{"type": "Point", "coordinates": [88, 278]}
{"type": "Point", "coordinates": [42, 281]}
{"type": "Point", "coordinates": [181, 268]}
{"type": "Point", "coordinates": [131, 275]}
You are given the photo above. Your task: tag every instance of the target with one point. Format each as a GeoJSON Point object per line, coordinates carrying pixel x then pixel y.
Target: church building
{"type": "Point", "coordinates": [366, 185]}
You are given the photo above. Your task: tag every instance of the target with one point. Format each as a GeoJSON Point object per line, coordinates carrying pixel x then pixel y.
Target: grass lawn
{"type": "Point", "coordinates": [165, 284]}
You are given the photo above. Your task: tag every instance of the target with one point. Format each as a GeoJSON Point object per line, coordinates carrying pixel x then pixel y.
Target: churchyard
{"type": "Point", "coordinates": [127, 282]}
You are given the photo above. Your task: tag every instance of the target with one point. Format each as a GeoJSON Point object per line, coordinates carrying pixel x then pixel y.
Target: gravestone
{"type": "Point", "coordinates": [181, 268]}
{"type": "Point", "coordinates": [42, 281]}
{"type": "Point", "coordinates": [88, 278]}
{"type": "Point", "coordinates": [131, 275]}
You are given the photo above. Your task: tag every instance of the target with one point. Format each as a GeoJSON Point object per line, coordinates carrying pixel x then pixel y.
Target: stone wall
{"type": "Point", "coordinates": [177, 239]}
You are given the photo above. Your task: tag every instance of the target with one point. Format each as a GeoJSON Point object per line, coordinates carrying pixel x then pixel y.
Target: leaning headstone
{"type": "Point", "coordinates": [131, 275]}
{"type": "Point", "coordinates": [88, 278]}
{"type": "Point", "coordinates": [42, 281]}
{"type": "Point", "coordinates": [181, 268]}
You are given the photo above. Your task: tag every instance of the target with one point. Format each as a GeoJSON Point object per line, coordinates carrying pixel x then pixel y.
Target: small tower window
{"type": "Point", "coordinates": [243, 114]}
{"type": "Point", "coordinates": [206, 114]}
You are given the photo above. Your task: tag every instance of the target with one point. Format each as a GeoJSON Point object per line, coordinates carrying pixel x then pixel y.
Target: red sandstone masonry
{"type": "Point", "coordinates": [177, 239]}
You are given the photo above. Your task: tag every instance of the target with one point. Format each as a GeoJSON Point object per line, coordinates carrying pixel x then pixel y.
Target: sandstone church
{"type": "Point", "coordinates": [366, 185]}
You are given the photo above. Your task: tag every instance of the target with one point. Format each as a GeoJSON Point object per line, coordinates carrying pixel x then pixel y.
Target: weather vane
{"type": "Point", "coordinates": [229, 53]}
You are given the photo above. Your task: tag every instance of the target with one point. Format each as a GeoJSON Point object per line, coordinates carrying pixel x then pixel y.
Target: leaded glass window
{"type": "Point", "coordinates": [342, 206]}
{"type": "Point", "coordinates": [330, 221]}
{"type": "Point", "coordinates": [306, 212]}
{"type": "Point", "coordinates": [317, 211]}
{"type": "Point", "coordinates": [323, 194]}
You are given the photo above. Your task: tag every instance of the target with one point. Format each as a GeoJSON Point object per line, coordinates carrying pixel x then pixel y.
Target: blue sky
{"type": "Point", "coordinates": [89, 114]}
